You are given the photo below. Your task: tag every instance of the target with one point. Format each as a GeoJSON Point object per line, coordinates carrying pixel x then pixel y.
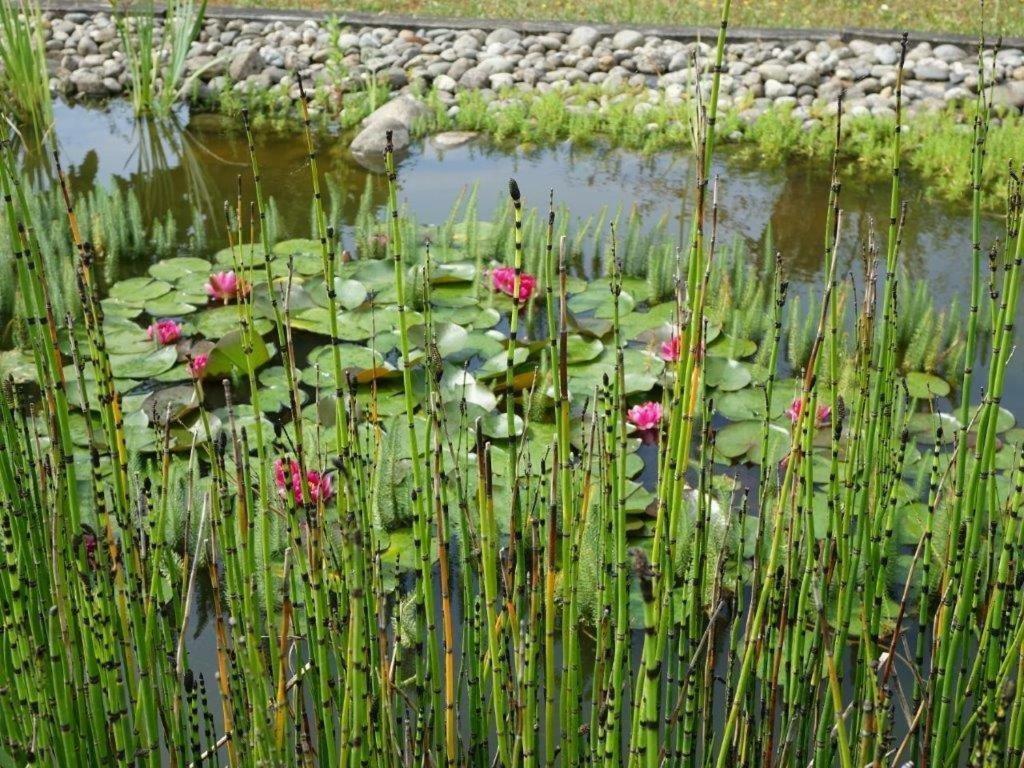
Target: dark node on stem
{"type": "Point", "coordinates": [644, 572]}
{"type": "Point", "coordinates": [513, 189]}
{"type": "Point", "coordinates": [190, 681]}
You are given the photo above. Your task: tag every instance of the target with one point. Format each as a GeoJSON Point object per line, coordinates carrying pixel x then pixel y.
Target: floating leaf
{"type": "Point", "coordinates": [495, 425]}
{"type": "Point", "coordinates": [1004, 420]}
{"type": "Point", "coordinates": [274, 394]}
{"type": "Point", "coordinates": [598, 298]}
{"type": "Point", "coordinates": [136, 291]}
{"type": "Point", "coordinates": [170, 403]}
{"type": "Point", "coordinates": [457, 384]}
{"type": "Point", "coordinates": [180, 267]}
{"type": "Point", "coordinates": [499, 362]}
{"type": "Point", "coordinates": [228, 354]}
{"type": "Point", "coordinates": [738, 438]}
{"type": "Point", "coordinates": [143, 365]}
{"type": "Point", "coordinates": [926, 385]}
{"type": "Point", "coordinates": [582, 350]}
{"type": "Point", "coordinates": [246, 255]}
{"type": "Point", "coordinates": [17, 365]}
{"type": "Point", "coordinates": [726, 374]}
{"type": "Point", "coordinates": [729, 346]}
{"type": "Point", "coordinates": [779, 442]}
{"type": "Point", "coordinates": [924, 426]}
{"type": "Point", "coordinates": [319, 369]}
{"type": "Point", "coordinates": [168, 306]}
{"type": "Point", "coordinates": [217, 322]}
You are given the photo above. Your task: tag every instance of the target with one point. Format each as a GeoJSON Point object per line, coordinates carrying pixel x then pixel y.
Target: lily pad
{"type": "Point", "coordinates": [726, 374]}
{"type": "Point", "coordinates": [925, 386]}
{"type": "Point", "coordinates": [598, 299]}
{"type": "Point", "coordinates": [217, 322]}
{"type": "Point", "coordinates": [143, 365]}
{"type": "Point", "coordinates": [179, 267]}
{"type": "Point", "coordinates": [136, 291]}
{"type": "Point", "coordinates": [495, 425]}
{"type": "Point", "coordinates": [228, 354]}
{"type": "Point", "coordinates": [737, 439]}
{"type": "Point", "coordinates": [274, 395]}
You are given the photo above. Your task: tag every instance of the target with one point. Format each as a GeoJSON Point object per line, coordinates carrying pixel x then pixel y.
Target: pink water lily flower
{"type": "Point", "coordinates": [164, 331]}
{"type": "Point", "coordinates": [503, 279]}
{"type": "Point", "coordinates": [197, 366]}
{"type": "Point", "coordinates": [645, 416]}
{"type": "Point", "coordinates": [287, 473]}
{"type": "Point", "coordinates": [225, 286]}
{"type": "Point", "coordinates": [670, 349]}
{"type": "Point", "coordinates": [822, 416]}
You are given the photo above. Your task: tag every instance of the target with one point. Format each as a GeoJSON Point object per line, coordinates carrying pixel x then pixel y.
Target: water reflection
{"type": "Point", "coordinates": [200, 159]}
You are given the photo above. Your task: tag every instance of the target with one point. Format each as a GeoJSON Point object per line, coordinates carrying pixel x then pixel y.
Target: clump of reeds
{"type": "Point", "coordinates": [403, 576]}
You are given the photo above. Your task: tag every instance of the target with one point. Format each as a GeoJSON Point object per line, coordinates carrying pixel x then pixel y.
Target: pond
{"type": "Point", "coordinates": [198, 162]}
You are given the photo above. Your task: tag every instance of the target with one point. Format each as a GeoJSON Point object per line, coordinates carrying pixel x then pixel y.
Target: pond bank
{"type": "Point", "coordinates": [803, 74]}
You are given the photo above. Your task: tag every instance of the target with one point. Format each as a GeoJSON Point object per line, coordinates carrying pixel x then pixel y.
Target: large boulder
{"type": "Point", "coordinates": [398, 116]}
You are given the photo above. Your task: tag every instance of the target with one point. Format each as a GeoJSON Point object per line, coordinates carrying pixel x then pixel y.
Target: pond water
{"type": "Point", "coordinates": [201, 157]}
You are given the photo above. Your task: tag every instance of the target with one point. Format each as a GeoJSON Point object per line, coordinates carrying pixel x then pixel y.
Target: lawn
{"type": "Point", "coordinates": [962, 16]}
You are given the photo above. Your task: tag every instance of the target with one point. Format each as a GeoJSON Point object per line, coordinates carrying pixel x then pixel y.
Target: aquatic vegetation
{"type": "Point", "coordinates": [164, 331]}
{"type": "Point", "coordinates": [225, 286]}
{"type": "Point", "coordinates": [411, 520]}
{"type": "Point", "coordinates": [645, 416]}
{"type": "Point", "coordinates": [157, 61]}
{"type": "Point", "coordinates": [520, 285]}
{"type": "Point", "coordinates": [23, 59]}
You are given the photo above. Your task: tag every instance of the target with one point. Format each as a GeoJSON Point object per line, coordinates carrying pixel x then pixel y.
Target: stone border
{"type": "Point", "coordinates": [683, 34]}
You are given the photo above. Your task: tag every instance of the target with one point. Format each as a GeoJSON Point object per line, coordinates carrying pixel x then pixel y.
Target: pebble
{"type": "Point", "coordinates": [85, 60]}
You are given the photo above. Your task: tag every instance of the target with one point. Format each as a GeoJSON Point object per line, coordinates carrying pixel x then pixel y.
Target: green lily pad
{"type": "Point", "coordinates": [779, 442]}
{"type": "Point", "coordinates": [295, 246]}
{"type": "Point", "coordinates": [749, 403]}
{"type": "Point", "coordinates": [456, 272]}
{"type": "Point", "coordinates": [118, 308]}
{"type": "Point", "coordinates": [730, 346]}
{"type": "Point", "coordinates": [18, 365]}
{"type": "Point", "coordinates": [726, 374]}
{"type": "Point", "coordinates": [246, 255]}
{"type": "Point", "coordinates": [228, 354]}
{"type": "Point", "coordinates": [495, 425]}
{"type": "Point", "coordinates": [170, 403]}
{"type": "Point", "coordinates": [143, 365]}
{"type": "Point", "coordinates": [274, 394]}
{"type": "Point", "coordinates": [499, 363]}
{"type": "Point", "coordinates": [924, 426]}
{"type": "Point", "coordinates": [168, 306]}
{"type": "Point", "coordinates": [216, 322]}
{"type": "Point", "coordinates": [180, 267]}
{"type": "Point", "coordinates": [598, 299]}
{"type": "Point", "coordinates": [582, 350]}
{"type": "Point", "coordinates": [925, 386]}
{"type": "Point", "coordinates": [449, 337]}
{"type": "Point", "coordinates": [319, 369]}
{"type": "Point", "coordinates": [1004, 420]}
{"type": "Point", "coordinates": [457, 384]}
{"type": "Point", "coordinates": [136, 291]}
{"type": "Point", "coordinates": [737, 439]}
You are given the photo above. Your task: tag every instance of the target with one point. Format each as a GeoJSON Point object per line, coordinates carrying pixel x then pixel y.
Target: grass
{"type": "Point", "coordinates": [580, 526]}
{"type": "Point", "coordinates": [959, 16]}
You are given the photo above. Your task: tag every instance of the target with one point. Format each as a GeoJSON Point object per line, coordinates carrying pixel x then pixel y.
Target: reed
{"type": "Point", "coordinates": [23, 56]}
{"type": "Point", "coordinates": [531, 500]}
{"type": "Point", "coordinates": [157, 52]}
